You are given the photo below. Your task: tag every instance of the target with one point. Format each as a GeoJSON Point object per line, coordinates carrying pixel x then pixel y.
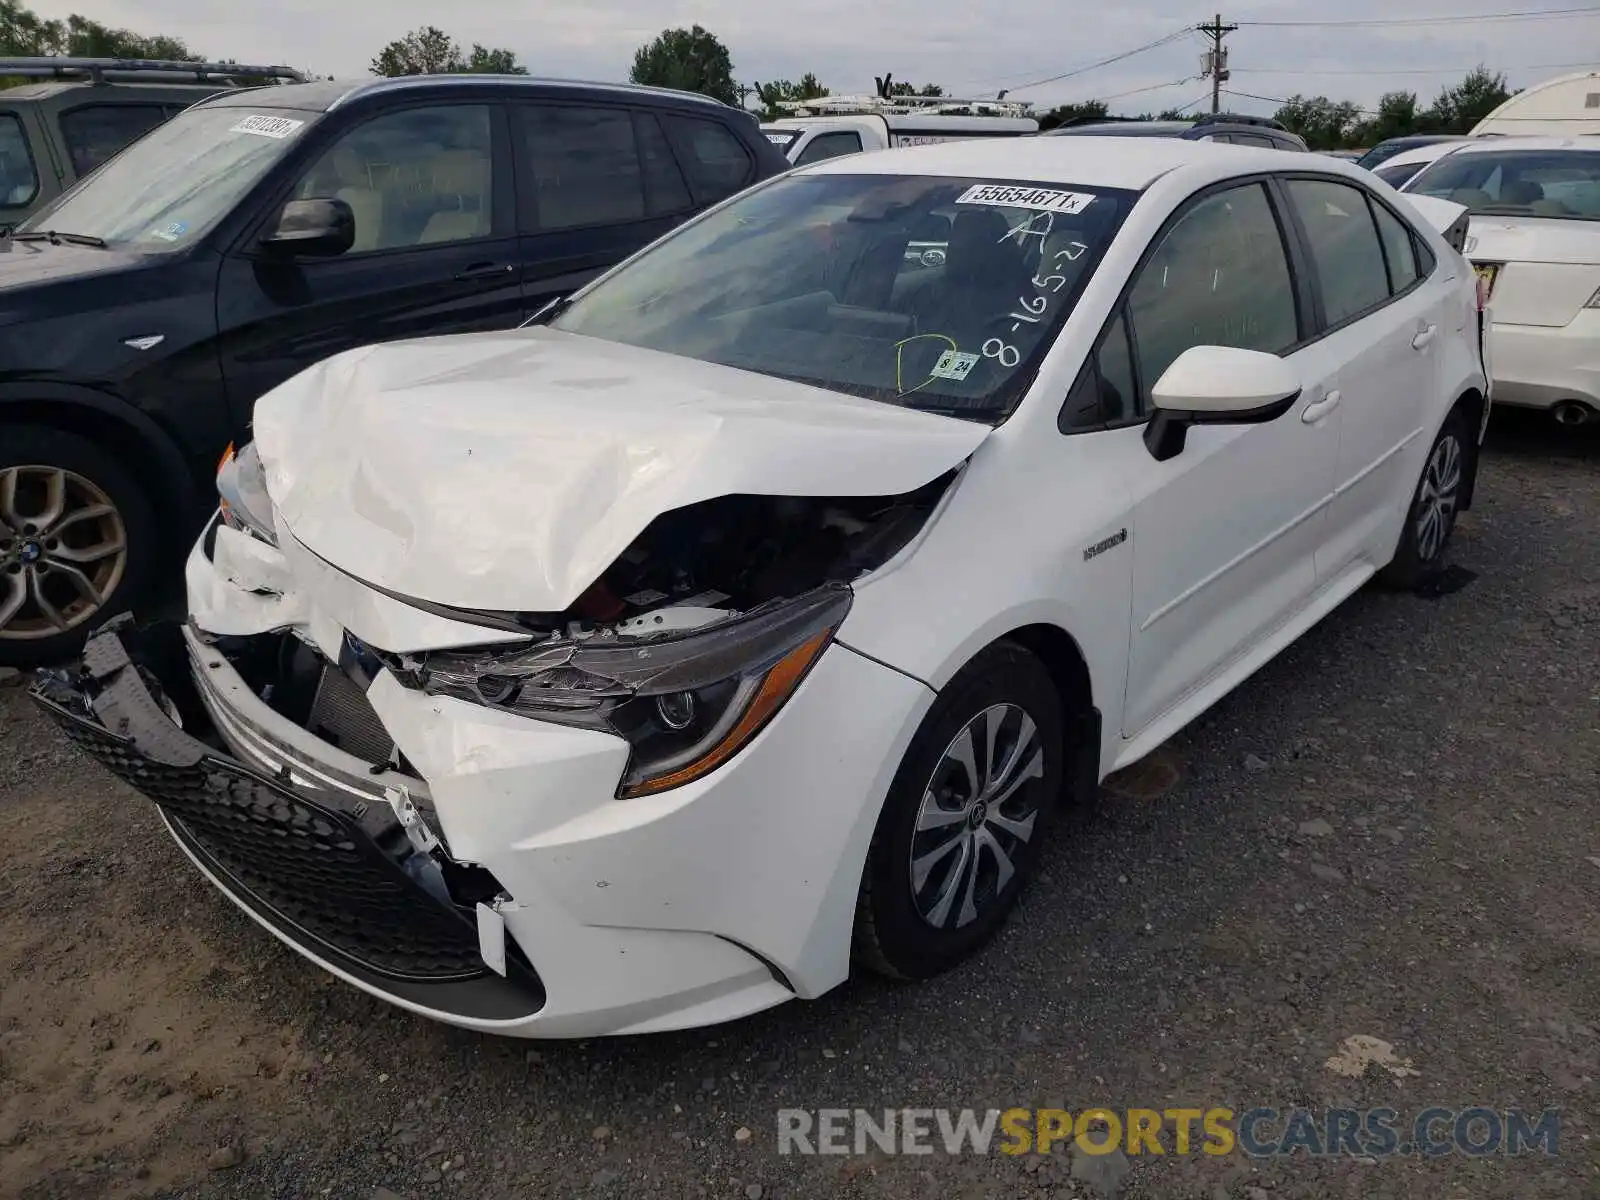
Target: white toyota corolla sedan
{"type": "Point", "coordinates": [757, 611]}
{"type": "Point", "coordinates": [1535, 241]}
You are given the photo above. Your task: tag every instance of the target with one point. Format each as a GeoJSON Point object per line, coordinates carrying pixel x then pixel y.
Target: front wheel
{"type": "Point", "coordinates": [1432, 515]}
{"type": "Point", "coordinates": [76, 542]}
{"type": "Point", "coordinates": [961, 829]}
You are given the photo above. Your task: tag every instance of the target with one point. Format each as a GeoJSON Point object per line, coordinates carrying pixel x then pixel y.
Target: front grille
{"type": "Point", "coordinates": [312, 868]}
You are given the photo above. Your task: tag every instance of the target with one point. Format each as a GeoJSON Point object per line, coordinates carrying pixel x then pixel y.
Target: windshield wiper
{"type": "Point", "coordinates": [56, 238]}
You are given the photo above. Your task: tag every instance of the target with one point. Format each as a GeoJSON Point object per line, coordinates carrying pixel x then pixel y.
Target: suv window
{"type": "Point", "coordinates": [829, 145]}
{"type": "Point", "coordinates": [1220, 277]}
{"type": "Point", "coordinates": [19, 183]}
{"type": "Point", "coordinates": [1399, 249]}
{"type": "Point", "coordinates": [1344, 246]}
{"type": "Point", "coordinates": [717, 162]}
{"type": "Point", "coordinates": [95, 132]}
{"type": "Point", "coordinates": [1254, 139]}
{"type": "Point", "coordinates": [586, 168]}
{"type": "Point", "coordinates": [664, 188]}
{"type": "Point", "coordinates": [412, 178]}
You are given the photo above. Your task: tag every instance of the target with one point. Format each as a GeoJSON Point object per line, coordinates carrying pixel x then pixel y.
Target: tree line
{"type": "Point", "coordinates": [696, 60]}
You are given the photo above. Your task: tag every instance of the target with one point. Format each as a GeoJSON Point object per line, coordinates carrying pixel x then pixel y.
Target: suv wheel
{"type": "Point", "coordinates": [76, 536]}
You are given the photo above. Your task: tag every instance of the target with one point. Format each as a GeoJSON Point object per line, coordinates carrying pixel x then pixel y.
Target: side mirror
{"type": "Point", "coordinates": [1217, 385]}
{"type": "Point", "coordinates": [319, 228]}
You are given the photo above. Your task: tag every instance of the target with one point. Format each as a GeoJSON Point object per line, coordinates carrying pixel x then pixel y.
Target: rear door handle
{"type": "Point", "coordinates": [1317, 409]}
{"type": "Point", "coordinates": [484, 271]}
{"type": "Point", "coordinates": [1420, 342]}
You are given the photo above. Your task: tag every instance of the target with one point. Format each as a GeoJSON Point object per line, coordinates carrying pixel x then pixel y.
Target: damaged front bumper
{"type": "Point", "coordinates": [344, 870]}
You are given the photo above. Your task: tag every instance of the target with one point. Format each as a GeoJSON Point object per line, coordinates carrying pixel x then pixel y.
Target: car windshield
{"type": "Point", "coordinates": [1557, 184]}
{"type": "Point", "coordinates": [929, 292]}
{"type": "Point", "coordinates": [172, 185]}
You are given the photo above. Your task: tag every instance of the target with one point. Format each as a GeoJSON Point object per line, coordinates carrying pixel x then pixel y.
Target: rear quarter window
{"type": "Point", "coordinates": [19, 182]}
{"type": "Point", "coordinates": [716, 161]}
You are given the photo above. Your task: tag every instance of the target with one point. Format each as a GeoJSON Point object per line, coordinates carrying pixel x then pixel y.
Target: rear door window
{"type": "Point", "coordinates": [664, 187]}
{"type": "Point", "coordinates": [1255, 139]}
{"type": "Point", "coordinates": [586, 167]}
{"type": "Point", "coordinates": [19, 182]}
{"type": "Point", "coordinates": [1399, 249]}
{"type": "Point", "coordinates": [1344, 246]}
{"type": "Point", "coordinates": [829, 145]}
{"type": "Point", "coordinates": [96, 132]}
{"type": "Point", "coordinates": [717, 162]}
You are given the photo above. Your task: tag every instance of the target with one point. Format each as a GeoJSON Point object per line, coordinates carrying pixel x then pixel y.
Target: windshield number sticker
{"type": "Point", "coordinates": [173, 231]}
{"type": "Point", "coordinates": [1033, 307]}
{"type": "Point", "coordinates": [271, 127]}
{"type": "Point", "coordinates": [954, 364]}
{"type": "Point", "coordinates": [1001, 195]}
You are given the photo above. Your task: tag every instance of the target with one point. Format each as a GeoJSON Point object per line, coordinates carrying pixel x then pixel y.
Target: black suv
{"type": "Point", "coordinates": [1213, 127]}
{"type": "Point", "coordinates": [259, 231]}
{"type": "Point", "coordinates": [53, 133]}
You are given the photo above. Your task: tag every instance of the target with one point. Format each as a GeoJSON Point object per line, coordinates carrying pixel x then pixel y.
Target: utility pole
{"type": "Point", "coordinates": [1216, 58]}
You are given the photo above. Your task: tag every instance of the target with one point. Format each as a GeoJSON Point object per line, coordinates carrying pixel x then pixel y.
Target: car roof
{"type": "Point", "coordinates": [1488, 145]}
{"type": "Point", "coordinates": [1088, 161]}
{"type": "Point", "coordinates": [1425, 153]}
{"type": "Point", "coordinates": [327, 95]}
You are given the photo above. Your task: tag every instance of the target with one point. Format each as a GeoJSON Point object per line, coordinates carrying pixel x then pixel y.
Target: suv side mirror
{"type": "Point", "coordinates": [318, 228]}
{"type": "Point", "coordinates": [1217, 385]}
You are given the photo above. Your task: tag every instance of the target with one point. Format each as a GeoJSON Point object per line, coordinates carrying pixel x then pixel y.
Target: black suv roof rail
{"type": "Point", "coordinates": [98, 70]}
{"type": "Point", "coordinates": [1239, 119]}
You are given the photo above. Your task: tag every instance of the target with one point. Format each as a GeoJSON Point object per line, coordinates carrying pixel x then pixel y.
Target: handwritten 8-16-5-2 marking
{"type": "Point", "coordinates": [1033, 307]}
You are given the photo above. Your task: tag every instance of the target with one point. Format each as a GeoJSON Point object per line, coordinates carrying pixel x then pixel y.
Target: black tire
{"type": "Point", "coordinates": [90, 468]}
{"type": "Point", "coordinates": [1420, 556]}
{"type": "Point", "coordinates": [892, 935]}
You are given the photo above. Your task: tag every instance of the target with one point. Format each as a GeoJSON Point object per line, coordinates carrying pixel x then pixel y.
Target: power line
{"type": "Point", "coordinates": [1104, 62]}
{"type": "Point", "coordinates": [1280, 101]}
{"type": "Point", "coordinates": [1531, 14]}
{"type": "Point", "coordinates": [1408, 70]}
{"type": "Point", "coordinates": [1154, 87]}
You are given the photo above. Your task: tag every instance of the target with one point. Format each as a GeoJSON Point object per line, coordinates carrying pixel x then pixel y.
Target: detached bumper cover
{"type": "Point", "coordinates": [338, 879]}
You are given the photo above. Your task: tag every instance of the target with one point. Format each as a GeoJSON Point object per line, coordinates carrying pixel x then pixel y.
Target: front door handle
{"type": "Point", "coordinates": [484, 270]}
{"type": "Point", "coordinates": [1424, 336]}
{"type": "Point", "coordinates": [1317, 409]}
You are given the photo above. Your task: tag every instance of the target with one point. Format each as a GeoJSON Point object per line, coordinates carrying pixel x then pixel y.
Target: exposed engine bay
{"type": "Point", "coordinates": [736, 553]}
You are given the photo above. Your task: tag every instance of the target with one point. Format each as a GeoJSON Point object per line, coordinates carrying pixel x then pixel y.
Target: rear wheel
{"type": "Point", "coordinates": [1432, 516]}
{"type": "Point", "coordinates": [962, 827]}
{"type": "Point", "coordinates": [76, 542]}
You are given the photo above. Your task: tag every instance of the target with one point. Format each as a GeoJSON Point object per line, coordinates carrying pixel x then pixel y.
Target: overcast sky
{"type": "Point", "coordinates": [847, 42]}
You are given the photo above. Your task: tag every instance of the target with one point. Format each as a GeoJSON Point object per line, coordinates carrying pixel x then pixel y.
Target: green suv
{"type": "Point", "coordinates": [74, 113]}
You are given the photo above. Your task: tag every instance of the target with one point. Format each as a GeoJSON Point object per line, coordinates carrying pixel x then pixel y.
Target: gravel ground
{"type": "Point", "coordinates": [1390, 831]}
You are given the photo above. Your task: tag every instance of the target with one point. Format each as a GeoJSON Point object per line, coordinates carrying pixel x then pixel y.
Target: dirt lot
{"type": "Point", "coordinates": [1391, 831]}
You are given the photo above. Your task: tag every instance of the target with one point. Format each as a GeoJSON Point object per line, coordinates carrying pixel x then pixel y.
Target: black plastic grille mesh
{"type": "Point", "coordinates": [316, 873]}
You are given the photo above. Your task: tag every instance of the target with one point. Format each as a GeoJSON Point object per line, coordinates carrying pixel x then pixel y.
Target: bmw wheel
{"type": "Point", "coordinates": [76, 535]}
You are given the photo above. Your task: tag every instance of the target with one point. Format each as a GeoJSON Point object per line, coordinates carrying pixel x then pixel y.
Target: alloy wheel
{"type": "Point", "coordinates": [1436, 502]}
{"type": "Point", "coordinates": [975, 815]}
{"type": "Point", "coordinates": [63, 551]}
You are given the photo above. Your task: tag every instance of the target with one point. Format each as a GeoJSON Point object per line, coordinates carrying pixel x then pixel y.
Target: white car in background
{"type": "Point", "coordinates": [1534, 238]}
{"type": "Point", "coordinates": [758, 613]}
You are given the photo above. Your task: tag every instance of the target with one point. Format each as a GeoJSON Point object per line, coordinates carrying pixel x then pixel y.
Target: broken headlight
{"type": "Point", "coordinates": [685, 704]}
{"type": "Point", "coordinates": [242, 492]}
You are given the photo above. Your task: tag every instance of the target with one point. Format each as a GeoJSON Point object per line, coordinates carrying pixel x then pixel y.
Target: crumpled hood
{"type": "Point", "coordinates": [507, 471]}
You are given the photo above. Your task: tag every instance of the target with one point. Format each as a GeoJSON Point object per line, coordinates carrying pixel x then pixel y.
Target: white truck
{"type": "Point", "coordinates": [835, 125]}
